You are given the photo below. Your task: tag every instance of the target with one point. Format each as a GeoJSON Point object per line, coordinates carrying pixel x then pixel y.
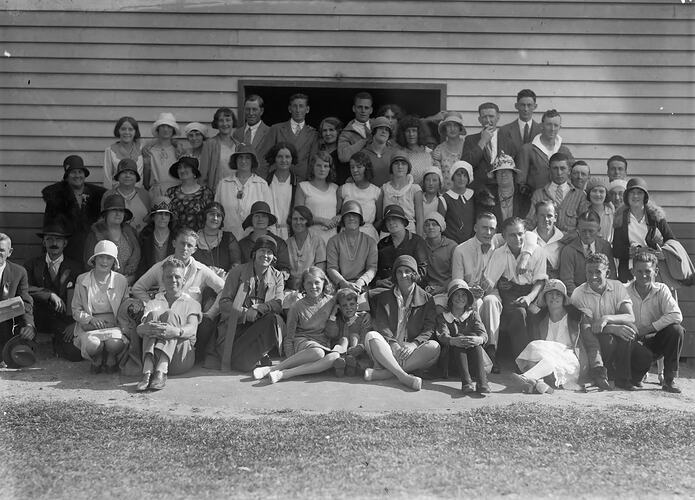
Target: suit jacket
{"type": "Point", "coordinates": [41, 285]}
{"type": "Point", "coordinates": [573, 262]}
{"type": "Point", "coordinates": [476, 157]}
{"type": "Point", "coordinates": [513, 132]}
{"type": "Point", "coordinates": [487, 200]}
{"type": "Point", "coordinates": [306, 143]}
{"type": "Point", "coordinates": [421, 323]}
{"type": "Point", "coordinates": [15, 284]}
{"type": "Point", "coordinates": [261, 132]}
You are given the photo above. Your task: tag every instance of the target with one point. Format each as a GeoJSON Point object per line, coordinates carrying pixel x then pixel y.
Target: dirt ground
{"type": "Point", "coordinates": [214, 394]}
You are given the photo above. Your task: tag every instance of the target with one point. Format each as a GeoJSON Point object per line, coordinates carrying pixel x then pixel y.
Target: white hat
{"type": "Point", "coordinates": [105, 247]}
{"type": "Point", "coordinates": [196, 126]}
{"type": "Point", "coordinates": [438, 218]}
{"type": "Point", "coordinates": [462, 165]}
{"type": "Point", "coordinates": [165, 119]}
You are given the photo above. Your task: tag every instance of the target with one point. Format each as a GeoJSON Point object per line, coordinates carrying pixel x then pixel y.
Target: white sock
{"type": "Point", "coordinates": [368, 374]}
{"type": "Point", "coordinates": [275, 376]}
{"type": "Point", "coordinates": [261, 372]}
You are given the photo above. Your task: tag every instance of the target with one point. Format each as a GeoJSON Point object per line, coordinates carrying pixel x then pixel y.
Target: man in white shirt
{"type": "Point", "coordinates": [254, 129]}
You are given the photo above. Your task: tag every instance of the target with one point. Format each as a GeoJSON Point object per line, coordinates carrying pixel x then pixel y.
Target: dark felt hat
{"type": "Point", "coordinates": [405, 261]}
{"type": "Point", "coordinates": [116, 202]}
{"type": "Point", "coordinates": [260, 207]}
{"type": "Point", "coordinates": [393, 211]}
{"type": "Point", "coordinates": [74, 162]}
{"type": "Point", "coordinates": [636, 183]}
{"type": "Point", "coordinates": [127, 165]}
{"type": "Point", "coordinates": [189, 161]}
{"type": "Point", "coordinates": [351, 207]}
{"type": "Point", "coordinates": [265, 241]}
{"type": "Point", "coordinates": [244, 149]}
{"type": "Point", "coordinates": [55, 228]}
{"type": "Point", "coordinates": [19, 353]}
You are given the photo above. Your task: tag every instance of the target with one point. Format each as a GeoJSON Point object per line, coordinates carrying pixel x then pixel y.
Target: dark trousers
{"type": "Point", "coordinates": [667, 343]}
{"type": "Point", "coordinates": [206, 330]}
{"type": "Point", "coordinates": [470, 362]}
{"type": "Point", "coordinates": [625, 360]}
{"type": "Point", "coordinates": [253, 341]}
{"type": "Point", "coordinates": [515, 320]}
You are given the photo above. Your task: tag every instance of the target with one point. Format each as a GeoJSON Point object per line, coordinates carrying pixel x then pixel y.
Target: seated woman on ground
{"type": "Point", "coordinates": [168, 329]}
{"type": "Point", "coordinates": [307, 347]}
{"type": "Point", "coordinates": [98, 295]}
{"type": "Point", "coordinates": [462, 335]}
{"type": "Point", "coordinates": [558, 351]}
{"type": "Point", "coordinates": [409, 347]}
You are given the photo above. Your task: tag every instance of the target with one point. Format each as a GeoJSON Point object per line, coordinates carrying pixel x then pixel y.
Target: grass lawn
{"type": "Point", "coordinates": [81, 450]}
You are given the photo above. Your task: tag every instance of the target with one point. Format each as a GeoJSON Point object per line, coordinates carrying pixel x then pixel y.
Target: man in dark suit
{"type": "Point", "coordinates": [254, 130]}
{"type": "Point", "coordinates": [13, 279]}
{"type": "Point", "coordinates": [52, 279]}
{"type": "Point", "coordinates": [297, 132]}
{"type": "Point", "coordinates": [481, 149]}
{"type": "Point", "coordinates": [522, 130]}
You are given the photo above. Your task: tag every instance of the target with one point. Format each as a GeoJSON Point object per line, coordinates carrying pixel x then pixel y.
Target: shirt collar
{"type": "Point", "coordinates": [253, 127]}
{"type": "Point", "coordinates": [56, 262]}
{"type": "Point", "coordinates": [295, 124]}
{"type": "Point", "coordinates": [467, 195]}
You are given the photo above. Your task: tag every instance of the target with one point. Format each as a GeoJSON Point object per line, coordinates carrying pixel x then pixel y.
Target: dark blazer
{"type": "Point", "coordinates": [306, 143]}
{"type": "Point", "coordinates": [486, 200]}
{"type": "Point", "coordinates": [15, 284]}
{"type": "Point", "coordinates": [262, 131]}
{"type": "Point", "coordinates": [573, 262]}
{"type": "Point", "coordinates": [41, 285]}
{"type": "Point", "coordinates": [147, 255]}
{"type": "Point", "coordinates": [384, 311]}
{"type": "Point", "coordinates": [283, 255]}
{"type": "Point", "coordinates": [62, 204]}
{"type": "Point", "coordinates": [512, 131]}
{"type": "Point", "coordinates": [476, 157]}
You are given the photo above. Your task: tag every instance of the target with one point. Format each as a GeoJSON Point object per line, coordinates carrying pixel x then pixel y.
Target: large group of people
{"type": "Point", "coordinates": [355, 248]}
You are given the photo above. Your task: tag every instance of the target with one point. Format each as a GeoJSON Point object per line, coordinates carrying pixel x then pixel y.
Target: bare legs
{"type": "Point", "coordinates": [312, 360]}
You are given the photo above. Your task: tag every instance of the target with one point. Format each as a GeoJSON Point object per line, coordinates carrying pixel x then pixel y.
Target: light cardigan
{"type": "Point", "coordinates": [237, 209]}
{"type": "Point", "coordinates": [209, 161]}
{"type": "Point", "coordinates": [81, 302]}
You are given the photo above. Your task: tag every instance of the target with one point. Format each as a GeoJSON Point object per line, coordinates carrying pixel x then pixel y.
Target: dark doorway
{"type": "Point", "coordinates": [335, 99]}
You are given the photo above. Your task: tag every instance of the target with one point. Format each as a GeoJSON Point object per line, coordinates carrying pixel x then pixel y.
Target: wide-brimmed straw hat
{"type": "Point", "coordinates": [105, 247]}
{"type": "Point", "coordinates": [260, 207]}
{"type": "Point", "coordinates": [115, 202]}
{"type": "Point", "coordinates": [165, 119]}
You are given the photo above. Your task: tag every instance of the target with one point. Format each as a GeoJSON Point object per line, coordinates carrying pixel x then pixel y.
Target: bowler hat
{"type": "Point", "coordinates": [188, 161]}
{"type": "Point", "coordinates": [351, 207]}
{"type": "Point", "coordinates": [265, 241]}
{"type": "Point", "coordinates": [636, 183]}
{"type": "Point", "coordinates": [127, 165]}
{"type": "Point", "coordinates": [244, 149]}
{"type": "Point", "coordinates": [459, 284]}
{"type": "Point", "coordinates": [19, 352]}
{"type": "Point", "coordinates": [55, 228]}
{"type": "Point", "coordinates": [115, 202]}
{"type": "Point", "coordinates": [260, 207]}
{"type": "Point", "coordinates": [74, 162]}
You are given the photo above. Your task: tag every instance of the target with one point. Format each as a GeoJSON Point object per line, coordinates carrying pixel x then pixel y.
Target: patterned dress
{"type": "Point", "coordinates": [188, 208]}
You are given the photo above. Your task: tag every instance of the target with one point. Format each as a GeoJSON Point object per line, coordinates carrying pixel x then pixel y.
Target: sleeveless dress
{"type": "Point", "coordinates": [367, 198]}
{"type": "Point", "coordinates": [322, 204]}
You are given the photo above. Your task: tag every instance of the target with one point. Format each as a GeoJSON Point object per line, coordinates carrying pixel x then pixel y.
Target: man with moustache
{"type": "Point", "coordinates": [52, 278]}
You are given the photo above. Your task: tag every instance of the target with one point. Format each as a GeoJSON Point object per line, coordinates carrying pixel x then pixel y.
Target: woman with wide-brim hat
{"type": "Point", "coordinates": [250, 306]}
{"type": "Point", "coordinates": [160, 154]}
{"type": "Point", "coordinates": [217, 249]}
{"type": "Point", "coordinates": [216, 152]}
{"type": "Point", "coordinates": [351, 255]}
{"type": "Point", "coordinates": [157, 237]}
{"type": "Point", "coordinates": [638, 224]}
{"type": "Point", "coordinates": [98, 295]}
{"type": "Point", "coordinates": [403, 319]}
{"type": "Point", "coordinates": [196, 133]}
{"type": "Point", "coordinates": [75, 201]}
{"type": "Point", "coordinates": [188, 199]}
{"type": "Point", "coordinates": [137, 199]}
{"type": "Point", "coordinates": [259, 221]}
{"type": "Point", "coordinates": [113, 226]}
{"type": "Point", "coordinates": [240, 189]}
{"type": "Point", "coordinates": [380, 150]}
{"type": "Point", "coordinates": [451, 132]}
{"type": "Point", "coordinates": [128, 146]}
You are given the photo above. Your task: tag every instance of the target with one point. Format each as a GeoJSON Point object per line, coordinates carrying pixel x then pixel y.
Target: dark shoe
{"type": "Point", "coordinates": [265, 361]}
{"type": "Point", "coordinates": [95, 368]}
{"type": "Point", "coordinates": [111, 368]}
{"type": "Point", "coordinates": [625, 385]}
{"type": "Point", "coordinates": [467, 388]}
{"type": "Point", "coordinates": [638, 384]}
{"type": "Point", "coordinates": [527, 385]}
{"type": "Point", "coordinates": [144, 382]}
{"type": "Point", "coordinates": [482, 388]}
{"type": "Point", "coordinates": [669, 386]}
{"type": "Point", "coordinates": [356, 350]}
{"type": "Point", "coordinates": [339, 367]}
{"type": "Point", "coordinates": [159, 380]}
{"type": "Point", "coordinates": [542, 388]}
{"type": "Point", "coordinates": [350, 366]}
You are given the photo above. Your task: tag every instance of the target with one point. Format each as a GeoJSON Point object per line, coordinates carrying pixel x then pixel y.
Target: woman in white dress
{"type": "Point", "coordinates": [282, 182]}
{"type": "Point", "coordinates": [241, 189]}
{"type": "Point", "coordinates": [320, 195]}
{"type": "Point", "coordinates": [558, 351]}
{"type": "Point", "coordinates": [363, 191]}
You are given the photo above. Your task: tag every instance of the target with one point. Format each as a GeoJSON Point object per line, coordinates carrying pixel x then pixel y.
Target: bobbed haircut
{"type": "Point", "coordinates": [397, 110]}
{"type": "Point", "coordinates": [317, 273]}
{"type": "Point", "coordinates": [133, 123]}
{"type": "Point", "coordinates": [270, 155]}
{"type": "Point", "coordinates": [304, 212]}
{"type": "Point", "coordinates": [323, 156]}
{"type": "Point", "coordinates": [223, 112]}
{"type": "Point", "coordinates": [410, 121]}
{"type": "Point", "coordinates": [362, 158]}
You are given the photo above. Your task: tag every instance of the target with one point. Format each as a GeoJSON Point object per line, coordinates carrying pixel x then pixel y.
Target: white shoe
{"type": "Point", "coordinates": [260, 372]}
{"type": "Point", "coordinates": [368, 372]}
{"type": "Point", "coordinates": [275, 376]}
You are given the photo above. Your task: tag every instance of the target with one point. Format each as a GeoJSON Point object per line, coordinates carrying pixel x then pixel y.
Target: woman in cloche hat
{"type": "Point", "coordinates": [451, 132]}
{"type": "Point", "coordinates": [160, 154]}
{"type": "Point", "coordinates": [127, 146]}
{"type": "Point", "coordinates": [188, 199]}
{"type": "Point", "coordinates": [157, 237]}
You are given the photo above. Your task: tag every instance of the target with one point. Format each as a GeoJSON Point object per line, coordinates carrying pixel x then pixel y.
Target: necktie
{"type": "Point", "coordinates": [558, 196]}
{"type": "Point", "coordinates": [526, 133]}
{"type": "Point", "coordinates": [298, 129]}
{"type": "Point", "coordinates": [247, 136]}
{"type": "Point", "coordinates": [53, 270]}
{"type": "Point", "coordinates": [488, 152]}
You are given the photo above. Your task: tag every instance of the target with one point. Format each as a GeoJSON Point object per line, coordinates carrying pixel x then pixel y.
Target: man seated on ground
{"type": "Point", "coordinates": [197, 277]}
{"type": "Point", "coordinates": [52, 278]}
{"type": "Point", "coordinates": [616, 168]}
{"type": "Point", "coordinates": [517, 290]}
{"type": "Point", "coordinates": [533, 160]}
{"type": "Point", "coordinates": [356, 134]}
{"type": "Point", "coordinates": [574, 254]}
{"type": "Point", "coordinates": [14, 284]}
{"type": "Point", "coordinates": [607, 314]}
{"type": "Point", "coordinates": [559, 190]}
{"type": "Point", "coordinates": [657, 320]}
